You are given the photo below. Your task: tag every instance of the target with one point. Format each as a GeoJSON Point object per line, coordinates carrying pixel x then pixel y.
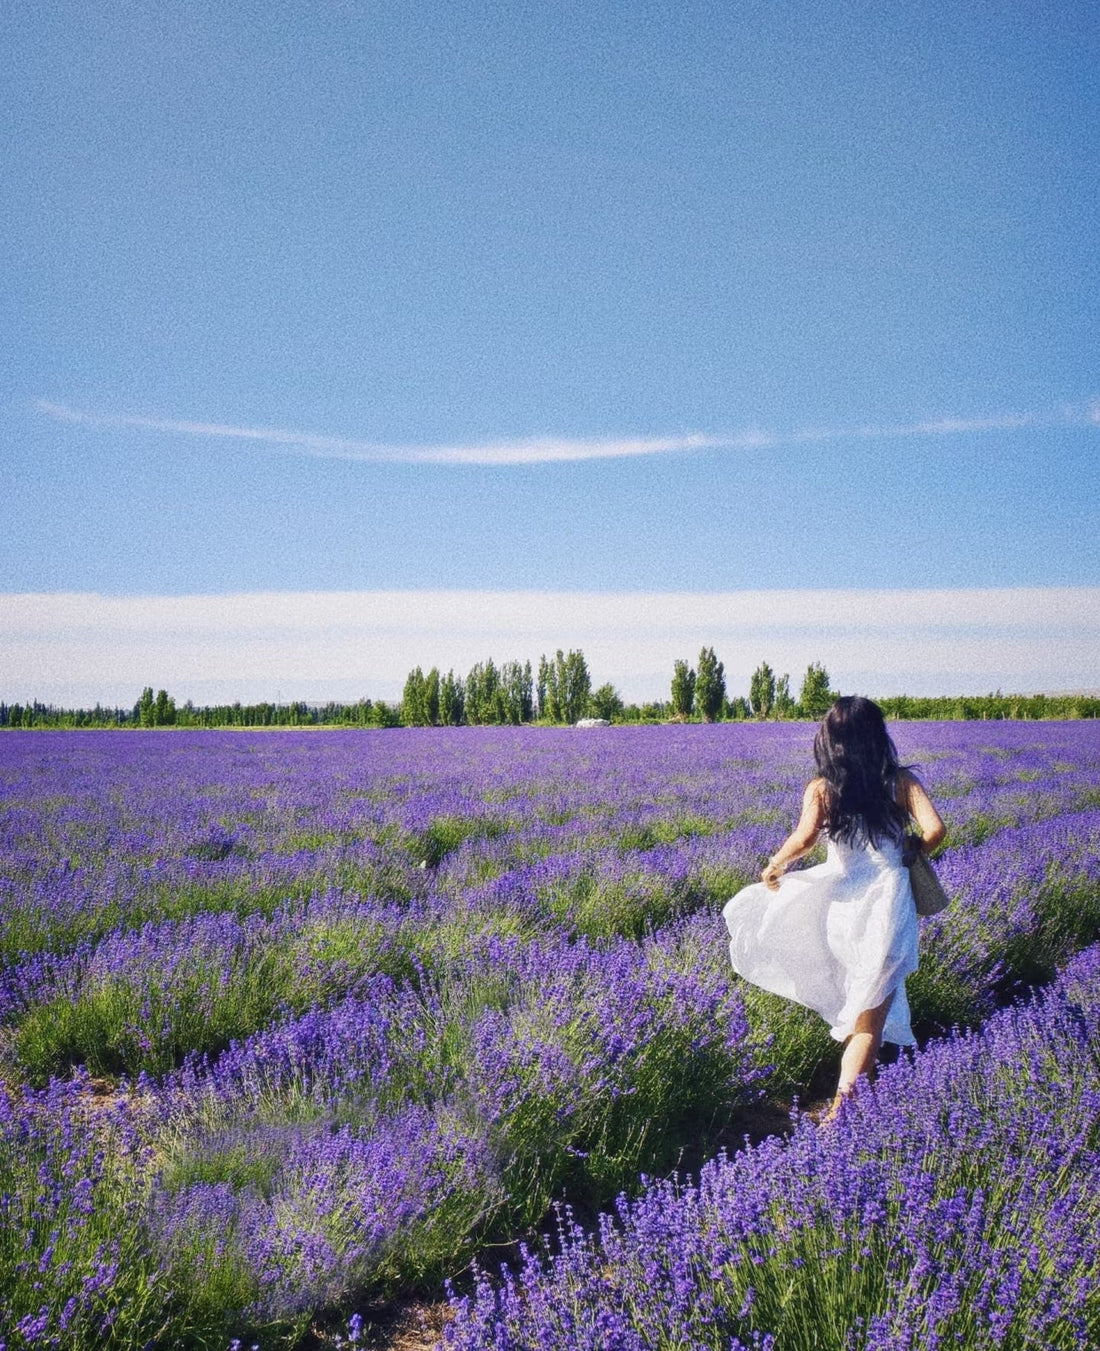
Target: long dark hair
{"type": "Point", "coordinates": [858, 761]}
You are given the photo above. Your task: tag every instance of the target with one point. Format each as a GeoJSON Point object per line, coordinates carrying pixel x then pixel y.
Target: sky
{"type": "Point", "coordinates": [339, 338]}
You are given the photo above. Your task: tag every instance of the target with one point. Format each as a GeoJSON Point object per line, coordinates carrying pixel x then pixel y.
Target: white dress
{"type": "Point", "coordinates": [839, 938]}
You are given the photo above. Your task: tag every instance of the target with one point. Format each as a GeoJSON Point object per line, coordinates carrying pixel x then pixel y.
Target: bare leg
{"type": "Point", "coordinates": [860, 1051]}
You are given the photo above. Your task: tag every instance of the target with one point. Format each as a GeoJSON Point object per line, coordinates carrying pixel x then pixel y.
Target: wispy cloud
{"type": "Point", "coordinates": [535, 450]}
{"type": "Point", "coordinates": [551, 449]}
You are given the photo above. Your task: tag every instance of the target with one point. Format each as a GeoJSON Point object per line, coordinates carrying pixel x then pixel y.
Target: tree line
{"type": "Point", "coordinates": [558, 691]}
{"type": "Point", "coordinates": [161, 710]}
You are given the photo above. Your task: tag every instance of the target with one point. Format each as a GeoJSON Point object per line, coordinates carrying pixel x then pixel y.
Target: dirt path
{"type": "Point", "coordinates": [416, 1326]}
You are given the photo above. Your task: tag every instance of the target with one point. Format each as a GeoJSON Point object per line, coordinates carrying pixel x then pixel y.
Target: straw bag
{"type": "Point", "coordinates": [929, 896]}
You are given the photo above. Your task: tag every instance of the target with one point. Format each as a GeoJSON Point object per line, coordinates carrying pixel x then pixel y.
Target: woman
{"type": "Point", "coordinates": [841, 937]}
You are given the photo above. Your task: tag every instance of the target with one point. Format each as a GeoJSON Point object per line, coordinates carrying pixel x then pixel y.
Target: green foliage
{"type": "Point", "coordinates": [568, 686]}
{"type": "Point", "coordinates": [362, 713]}
{"type": "Point", "coordinates": [431, 697]}
{"type": "Point", "coordinates": [144, 708]}
{"type": "Point", "coordinates": [452, 700]}
{"type": "Point", "coordinates": [682, 694]}
{"type": "Point", "coordinates": [420, 702]}
{"type": "Point", "coordinates": [414, 706]}
{"type": "Point", "coordinates": [541, 688]}
{"type": "Point", "coordinates": [544, 702]}
{"type": "Point", "coordinates": [432, 845]}
{"type": "Point", "coordinates": [159, 711]}
{"type": "Point", "coordinates": [710, 686]}
{"type": "Point", "coordinates": [128, 1024]}
{"type": "Point", "coordinates": [654, 711]}
{"type": "Point", "coordinates": [560, 1126]}
{"type": "Point", "coordinates": [484, 699]}
{"type": "Point", "coordinates": [1068, 919]}
{"type": "Point", "coordinates": [517, 692]}
{"type": "Point", "coordinates": [212, 1282]}
{"type": "Point", "coordinates": [940, 998]}
{"type": "Point", "coordinates": [597, 907]}
{"type": "Point", "coordinates": [785, 706]}
{"type": "Point", "coordinates": [490, 695]}
{"type": "Point", "coordinates": [762, 690]}
{"type": "Point", "coordinates": [998, 705]}
{"type": "Point", "coordinates": [606, 702]}
{"type": "Point", "coordinates": [815, 697]}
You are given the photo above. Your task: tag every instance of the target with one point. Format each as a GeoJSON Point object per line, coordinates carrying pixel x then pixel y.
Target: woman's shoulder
{"type": "Point", "coordinates": [905, 782]}
{"type": "Point", "coordinates": [815, 806]}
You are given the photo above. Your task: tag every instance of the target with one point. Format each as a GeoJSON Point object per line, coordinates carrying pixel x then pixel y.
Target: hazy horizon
{"type": "Point", "coordinates": [280, 647]}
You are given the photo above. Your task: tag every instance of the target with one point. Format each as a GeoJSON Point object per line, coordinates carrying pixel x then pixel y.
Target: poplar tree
{"type": "Point", "coordinates": [549, 701]}
{"type": "Point", "coordinates": [164, 710]}
{"type": "Point", "coordinates": [762, 690]}
{"type": "Point", "coordinates": [431, 697]}
{"type": "Point", "coordinates": [413, 711]}
{"type": "Point", "coordinates": [482, 690]}
{"type": "Point", "coordinates": [540, 688]}
{"type": "Point", "coordinates": [815, 698]}
{"type": "Point", "coordinates": [682, 694]}
{"type": "Point", "coordinates": [574, 684]}
{"type": "Point", "coordinates": [452, 700]}
{"type": "Point", "coordinates": [474, 699]}
{"type": "Point", "coordinates": [710, 686]}
{"type": "Point", "coordinates": [785, 706]}
{"type": "Point", "coordinates": [517, 691]}
{"type": "Point", "coordinates": [568, 686]}
{"type": "Point", "coordinates": [528, 693]}
{"type": "Point", "coordinates": [144, 709]}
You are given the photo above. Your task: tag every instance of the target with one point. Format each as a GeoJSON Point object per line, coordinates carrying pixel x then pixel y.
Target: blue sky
{"type": "Point", "coordinates": [599, 299]}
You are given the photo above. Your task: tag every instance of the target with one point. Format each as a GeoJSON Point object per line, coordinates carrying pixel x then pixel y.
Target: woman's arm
{"type": "Point", "coordinates": [802, 839]}
{"type": "Point", "coordinates": [919, 806]}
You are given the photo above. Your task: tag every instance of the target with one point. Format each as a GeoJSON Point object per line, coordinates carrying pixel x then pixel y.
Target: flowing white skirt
{"type": "Point", "coordinates": [839, 938]}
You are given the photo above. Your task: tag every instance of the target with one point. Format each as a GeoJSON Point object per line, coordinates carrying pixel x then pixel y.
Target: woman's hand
{"type": "Point", "coordinates": [771, 874]}
{"type": "Point", "coordinates": [802, 838]}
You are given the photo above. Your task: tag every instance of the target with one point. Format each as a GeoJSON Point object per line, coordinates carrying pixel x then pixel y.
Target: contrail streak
{"type": "Point", "coordinates": [551, 449]}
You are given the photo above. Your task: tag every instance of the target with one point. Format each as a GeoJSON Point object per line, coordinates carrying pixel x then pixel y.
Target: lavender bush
{"type": "Point", "coordinates": [956, 1202]}
{"type": "Point", "coordinates": [75, 1266]}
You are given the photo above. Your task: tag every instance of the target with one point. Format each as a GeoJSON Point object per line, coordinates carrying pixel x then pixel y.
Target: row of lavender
{"type": "Point", "coordinates": [101, 832]}
{"type": "Point", "coordinates": [386, 996]}
{"type": "Point", "coordinates": [954, 1203]}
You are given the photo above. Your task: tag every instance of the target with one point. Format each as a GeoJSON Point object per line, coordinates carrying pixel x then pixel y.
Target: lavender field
{"type": "Point", "coordinates": [293, 1024]}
